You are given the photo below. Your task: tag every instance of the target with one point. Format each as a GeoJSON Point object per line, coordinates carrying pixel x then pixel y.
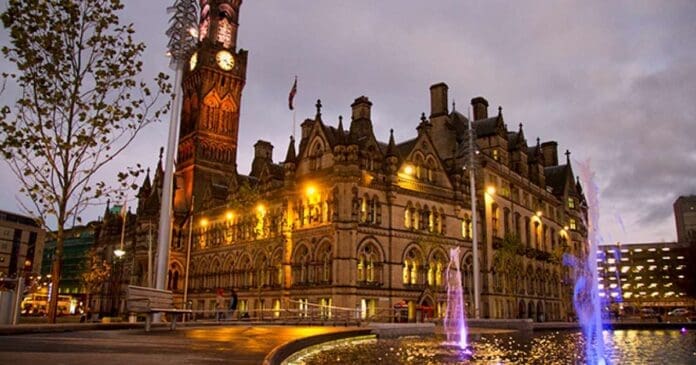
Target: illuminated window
{"type": "Point", "coordinates": [571, 203]}
{"type": "Point", "coordinates": [571, 224]}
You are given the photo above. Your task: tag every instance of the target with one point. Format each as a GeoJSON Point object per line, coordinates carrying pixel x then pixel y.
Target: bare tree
{"type": "Point", "coordinates": [79, 105]}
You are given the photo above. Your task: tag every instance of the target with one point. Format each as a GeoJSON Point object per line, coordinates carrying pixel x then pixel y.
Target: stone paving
{"type": "Point", "coordinates": [193, 345]}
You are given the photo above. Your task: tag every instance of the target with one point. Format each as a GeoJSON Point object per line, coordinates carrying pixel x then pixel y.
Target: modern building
{"type": "Point", "coordinates": [644, 274]}
{"type": "Point", "coordinates": [76, 247]}
{"type": "Point", "coordinates": [354, 222]}
{"type": "Point", "coordinates": [21, 245]}
{"type": "Point", "coordinates": [685, 217]}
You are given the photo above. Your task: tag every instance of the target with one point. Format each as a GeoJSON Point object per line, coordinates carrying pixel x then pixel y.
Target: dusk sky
{"type": "Point", "coordinates": [613, 82]}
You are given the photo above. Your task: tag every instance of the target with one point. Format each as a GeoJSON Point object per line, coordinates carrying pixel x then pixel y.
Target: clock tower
{"type": "Point", "coordinates": [212, 90]}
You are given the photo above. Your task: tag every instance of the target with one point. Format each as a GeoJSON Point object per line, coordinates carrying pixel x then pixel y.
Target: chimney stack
{"type": "Point", "coordinates": [438, 100]}
{"type": "Point", "coordinates": [361, 108]}
{"type": "Point", "coordinates": [550, 151]}
{"type": "Point", "coordinates": [480, 106]}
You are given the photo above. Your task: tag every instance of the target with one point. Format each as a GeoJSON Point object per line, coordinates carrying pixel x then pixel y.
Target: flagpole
{"type": "Point", "coordinates": [293, 124]}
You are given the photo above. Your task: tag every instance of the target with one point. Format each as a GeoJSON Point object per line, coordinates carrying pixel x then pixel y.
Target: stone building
{"type": "Point", "coordinates": [349, 223]}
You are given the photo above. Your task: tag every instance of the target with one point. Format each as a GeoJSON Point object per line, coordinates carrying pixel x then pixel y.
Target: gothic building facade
{"type": "Point", "coordinates": [349, 222]}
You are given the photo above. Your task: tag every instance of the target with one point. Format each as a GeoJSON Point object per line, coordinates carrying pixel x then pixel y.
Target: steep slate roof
{"type": "Point", "coordinates": [404, 148]}
{"type": "Point", "coordinates": [486, 127]}
{"type": "Point", "coordinates": [556, 177]}
{"type": "Point", "coordinates": [513, 139]}
{"type": "Point", "coordinates": [459, 123]}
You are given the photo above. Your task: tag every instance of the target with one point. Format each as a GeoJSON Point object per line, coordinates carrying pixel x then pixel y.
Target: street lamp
{"type": "Point", "coordinates": [474, 242]}
{"type": "Point", "coordinates": [119, 252]}
{"type": "Point", "coordinates": [184, 18]}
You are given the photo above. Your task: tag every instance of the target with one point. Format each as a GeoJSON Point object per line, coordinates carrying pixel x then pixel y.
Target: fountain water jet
{"type": "Point", "coordinates": [585, 293]}
{"type": "Point", "coordinates": [454, 321]}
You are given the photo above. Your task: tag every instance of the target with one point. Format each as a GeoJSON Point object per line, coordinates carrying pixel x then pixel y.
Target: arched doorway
{"type": "Point", "coordinates": [425, 309]}
{"type": "Point", "coordinates": [531, 313]}
{"type": "Point", "coordinates": [540, 311]}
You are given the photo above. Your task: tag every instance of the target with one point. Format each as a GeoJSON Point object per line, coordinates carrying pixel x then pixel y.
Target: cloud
{"type": "Point", "coordinates": [611, 81]}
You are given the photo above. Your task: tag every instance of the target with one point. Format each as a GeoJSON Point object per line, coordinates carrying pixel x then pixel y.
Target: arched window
{"type": "Point", "coordinates": [436, 267]}
{"type": "Point", "coordinates": [411, 267]}
{"type": "Point", "coordinates": [494, 220]}
{"type": "Point", "coordinates": [407, 216]}
{"type": "Point", "coordinates": [506, 221]}
{"type": "Point", "coordinates": [301, 266]}
{"type": "Point", "coordinates": [324, 263]}
{"type": "Point", "coordinates": [315, 155]}
{"type": "Point", "coordinates": [369, 265]}
{"type": "Point", "coordinates": [527, 238]}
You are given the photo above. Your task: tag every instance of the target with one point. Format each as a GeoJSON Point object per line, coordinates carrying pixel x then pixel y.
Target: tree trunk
{"type": "Point", "coordinates": [55, 280]}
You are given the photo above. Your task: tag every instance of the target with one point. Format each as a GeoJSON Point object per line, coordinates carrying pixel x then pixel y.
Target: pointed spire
{"type": "Point", "coordinates": [290, 156]}
{"type": "Point", "coordinates": [454, 106]}
{"type": "Point", "coordinates": [341, 137]}
{"type": "Point", "coordinates": [520, 134]}
{"type": "Point", "coordinates": [567, 153]}
{"type": "Point", "coordinates": [391, 148]}
{"type": "Point", "coordinates": [500, 111]}
{"type": "Point", "coordinates": [159, 171]}
{"type": "Point", "coordinates": [106, 211]}
{"type": "Point", "coordinates": [423, 119]}
{"type": "Point", "coordinates": [147, 184]}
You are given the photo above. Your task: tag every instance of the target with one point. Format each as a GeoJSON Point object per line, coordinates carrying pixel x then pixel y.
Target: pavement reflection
{"type": "Point", "coordinates": [202, 345]}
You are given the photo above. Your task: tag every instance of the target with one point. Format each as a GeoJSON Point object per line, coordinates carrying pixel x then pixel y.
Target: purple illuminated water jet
{"type": "Point", "coordinates": [454, 321]}
{"type": "Point", "coordinates": [585, 293]}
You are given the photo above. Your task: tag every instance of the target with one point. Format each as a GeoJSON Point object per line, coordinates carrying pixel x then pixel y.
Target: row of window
{"type": "Point", "coordinates": [425, 219]}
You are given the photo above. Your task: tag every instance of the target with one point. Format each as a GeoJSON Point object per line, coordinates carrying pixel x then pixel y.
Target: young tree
{"type": "Point", "coordinates": [79, 105]}
{"type": "Point", "coordinates": [95, 273]}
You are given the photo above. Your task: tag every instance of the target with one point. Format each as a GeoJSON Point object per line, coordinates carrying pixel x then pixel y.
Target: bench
{"type": "Point", "coordinates": [145, 300]}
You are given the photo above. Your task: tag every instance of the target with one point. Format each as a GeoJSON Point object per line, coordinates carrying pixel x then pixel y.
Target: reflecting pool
{"type": "Point", "coordinates": [564, 347]}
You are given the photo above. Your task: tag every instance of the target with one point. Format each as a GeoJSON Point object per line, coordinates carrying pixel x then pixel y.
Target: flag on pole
{"type": "Point", "coordinates": [293, 91]}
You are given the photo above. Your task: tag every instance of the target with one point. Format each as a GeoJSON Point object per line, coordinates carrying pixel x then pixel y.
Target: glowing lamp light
{"type": "Point", "coordinates": [204, 222]}
{"type": "Point", "coordinates": [119, 252]}
{"type": "Point", "coordinates": [311, 190]}
{"type": "Point", "coordinates": [261, 209]}
{"type": "Point", "coordinates": [538, 213]}
{"type": "Point", "coordinates": [565, 228]}
{"type": "Point", "coordinates": [490, 190]}
{"type": "Point", "coordinates": [229, 216]}
{"type": "Point", "coordinates": [408, 170]}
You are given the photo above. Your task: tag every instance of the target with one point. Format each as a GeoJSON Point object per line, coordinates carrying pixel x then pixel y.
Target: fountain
{"type": "Point", "coordinates": [454, 320]}
{"type": "Point", "coordinates": [585, 293]}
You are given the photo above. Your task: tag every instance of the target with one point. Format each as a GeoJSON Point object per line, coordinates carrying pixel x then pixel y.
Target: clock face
{"type": "Point", "coordinates": [193, 61]}
{"type": "Point", "coordinates": [225, 60]}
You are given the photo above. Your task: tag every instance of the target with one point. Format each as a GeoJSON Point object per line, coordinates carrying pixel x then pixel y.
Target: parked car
{"type": "Point", "coordinates": [679, 312]}
{"type": "Point", "coordinates": [648, 313]}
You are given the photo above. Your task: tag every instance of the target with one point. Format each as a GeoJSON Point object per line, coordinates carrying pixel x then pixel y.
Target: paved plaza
{"type": "Point", "coordinates": [195, 345]}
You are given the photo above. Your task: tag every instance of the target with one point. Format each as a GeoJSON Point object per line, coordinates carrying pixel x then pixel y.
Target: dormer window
{"type": "Point", "coordinates": [571, 203]}
{"type": "Point", "coordinates": [495, 154]}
